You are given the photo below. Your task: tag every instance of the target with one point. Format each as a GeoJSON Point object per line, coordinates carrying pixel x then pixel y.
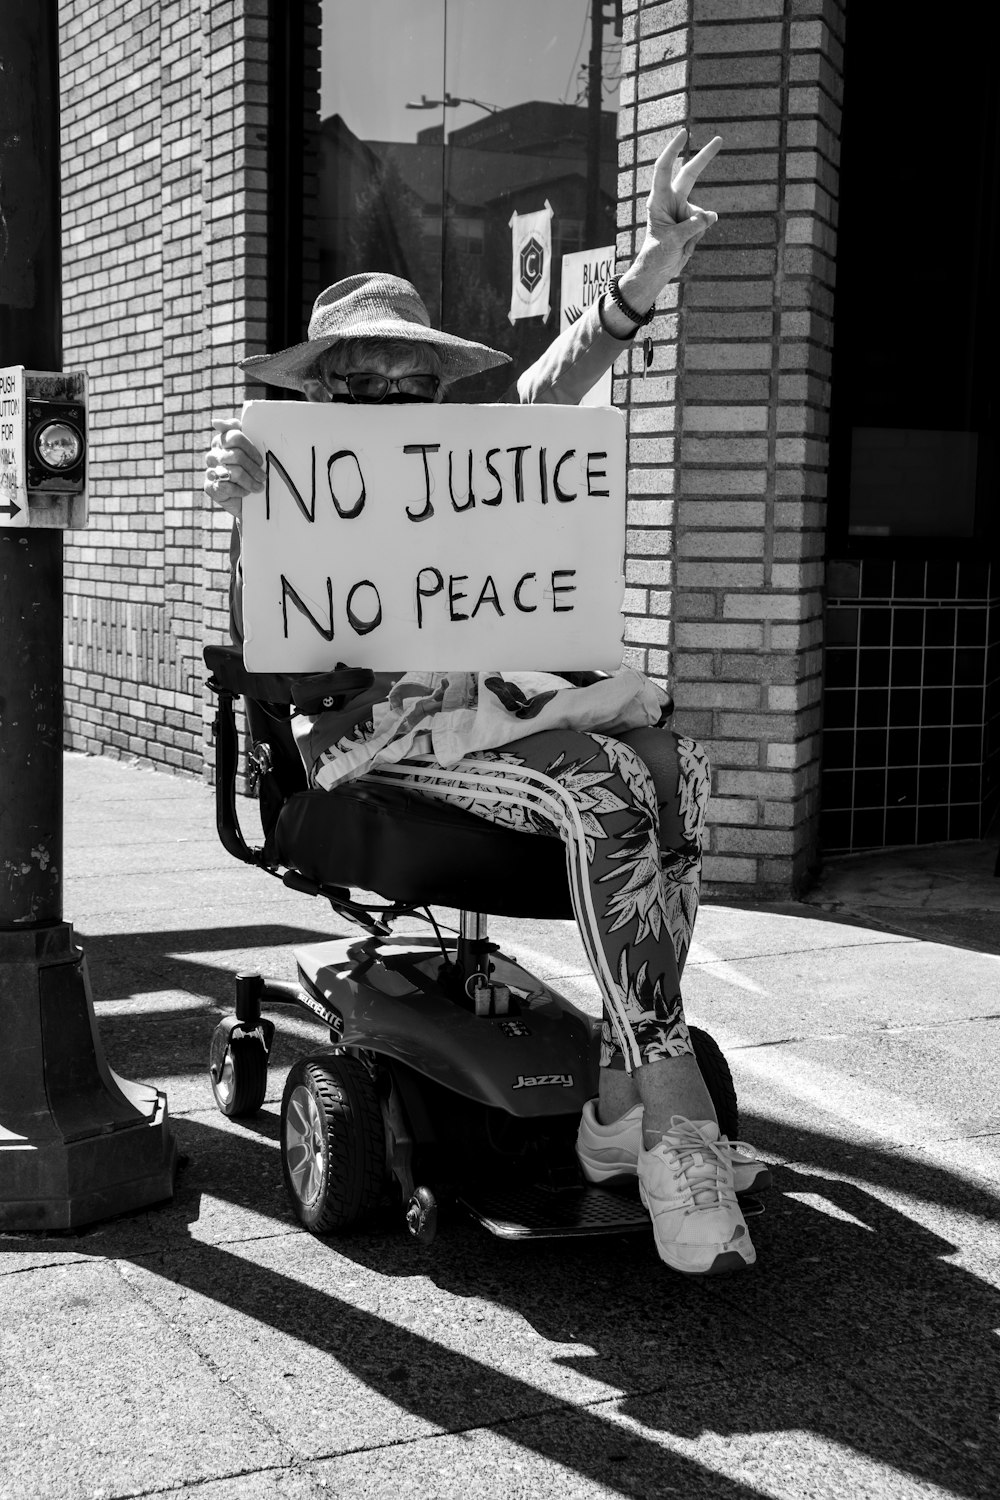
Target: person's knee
{"type": "Point", "coordinates": [681, 775]}
{"type": "Point", "coordinates": [637, 776]}
{"type": "Point", "coordinates": [657, 749]}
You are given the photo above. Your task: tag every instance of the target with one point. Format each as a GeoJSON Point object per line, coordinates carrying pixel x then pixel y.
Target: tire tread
{"type": "Point", "coordinates": [718, 1080]}
{"type": "Point", "coordinates": [355, 1139]}
{"type": "Point", "coordinates": [249, 1079]}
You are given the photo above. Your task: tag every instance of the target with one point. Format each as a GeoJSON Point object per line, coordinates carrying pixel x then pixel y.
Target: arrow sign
{"type": "Point", "coordinates": [13, 478]}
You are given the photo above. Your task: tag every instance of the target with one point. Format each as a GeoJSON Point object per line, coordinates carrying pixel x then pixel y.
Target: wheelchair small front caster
{"type": "Point", "coordinates": [422, 1216]}
{"type": "Point", "coordinates": [238, 1066]}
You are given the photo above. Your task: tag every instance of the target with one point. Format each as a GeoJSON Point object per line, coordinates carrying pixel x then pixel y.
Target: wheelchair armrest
{"type": "Point", "coordinates": [308, 691]}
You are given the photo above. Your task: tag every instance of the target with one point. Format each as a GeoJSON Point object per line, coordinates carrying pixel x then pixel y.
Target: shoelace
{"type": "Point", "coordinates": [705, 1166]}
{"type": "Point", "coordinates": [743, 1147]}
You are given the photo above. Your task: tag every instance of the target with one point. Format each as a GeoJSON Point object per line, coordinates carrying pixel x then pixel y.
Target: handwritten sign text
{"type": "Point", "coordinates": [434, 537]}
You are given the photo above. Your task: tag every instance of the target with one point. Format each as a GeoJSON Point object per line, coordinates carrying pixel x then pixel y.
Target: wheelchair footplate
{"type": "Point", "coordinates": [535, 1211]}
{"type": "Point", "coordinates": [556, 1210]}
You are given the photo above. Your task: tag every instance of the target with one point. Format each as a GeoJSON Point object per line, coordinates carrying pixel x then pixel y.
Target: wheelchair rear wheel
{"type": "Point", "coordinates": [718, 1080]}
{"type": "Point", "coordinates": [332, 1142]}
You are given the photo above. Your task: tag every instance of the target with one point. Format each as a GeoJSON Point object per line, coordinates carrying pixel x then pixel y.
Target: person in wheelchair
{"type": "Point", "coordinates": [629, 805]}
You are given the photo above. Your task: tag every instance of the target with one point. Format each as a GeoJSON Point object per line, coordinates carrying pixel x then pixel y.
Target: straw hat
{"type": "Point", "coordinates": [373, 305]}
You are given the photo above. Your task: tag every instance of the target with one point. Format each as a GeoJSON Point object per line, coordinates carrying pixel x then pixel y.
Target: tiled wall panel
{"type": "Point", "coordinates": [911, 742]}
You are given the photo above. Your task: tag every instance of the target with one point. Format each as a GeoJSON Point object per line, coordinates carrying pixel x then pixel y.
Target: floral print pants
{"type": "Point", "coordinates": [631, 811]}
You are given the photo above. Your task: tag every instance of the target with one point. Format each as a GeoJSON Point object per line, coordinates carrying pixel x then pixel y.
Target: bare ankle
{"type": "Point", "coordinates": [617, 1094]}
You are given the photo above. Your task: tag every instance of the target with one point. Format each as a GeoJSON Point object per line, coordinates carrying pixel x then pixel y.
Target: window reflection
{"type": "Point", "coordinates": [444, 123]}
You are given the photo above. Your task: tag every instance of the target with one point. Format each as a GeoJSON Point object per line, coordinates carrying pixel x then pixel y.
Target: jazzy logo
{"type": "Point", "coordinates": [543, 1080]}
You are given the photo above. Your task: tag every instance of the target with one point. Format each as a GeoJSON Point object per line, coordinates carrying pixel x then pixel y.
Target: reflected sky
{"type": "Point", "coordinates": [500, 53]}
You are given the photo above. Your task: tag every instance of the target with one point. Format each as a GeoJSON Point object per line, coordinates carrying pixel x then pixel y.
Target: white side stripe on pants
{"type": "Point", "coordinates": [516, 786]}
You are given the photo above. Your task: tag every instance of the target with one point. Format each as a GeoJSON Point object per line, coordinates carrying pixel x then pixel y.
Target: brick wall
{"type": "Point", "coordinates": [162, 142]}
{"type": "Point", "coordinates": [728, 429]}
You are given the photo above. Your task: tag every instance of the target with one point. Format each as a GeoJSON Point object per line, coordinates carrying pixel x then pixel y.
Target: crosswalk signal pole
{"type": "Point", "coordinates": [77, 1143]}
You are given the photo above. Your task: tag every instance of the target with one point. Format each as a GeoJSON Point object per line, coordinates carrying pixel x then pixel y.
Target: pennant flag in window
{"type": "Point", "coordinates": [531, 270]}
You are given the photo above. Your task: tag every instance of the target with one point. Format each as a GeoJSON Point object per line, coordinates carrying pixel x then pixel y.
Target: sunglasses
{"type": "Point", "coordinates": [366, 387]}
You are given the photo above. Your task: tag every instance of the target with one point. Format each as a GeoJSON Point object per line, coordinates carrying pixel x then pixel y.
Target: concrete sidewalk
{"type": "Point", "coordinates": [211, 1348]}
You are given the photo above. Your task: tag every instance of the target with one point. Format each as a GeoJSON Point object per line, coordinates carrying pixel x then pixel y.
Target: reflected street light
{"type": "Point", "coordinates": [451, 101]}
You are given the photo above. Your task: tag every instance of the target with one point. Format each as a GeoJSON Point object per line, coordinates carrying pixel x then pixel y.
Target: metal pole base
{"type": "Point", "coordinates": [77, 1143]}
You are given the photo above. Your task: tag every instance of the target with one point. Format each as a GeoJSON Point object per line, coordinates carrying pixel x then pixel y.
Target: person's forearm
{"type": "Point", "coordinates": [639, 286]}
{"type": "Point", "coordinates": [575, 360]}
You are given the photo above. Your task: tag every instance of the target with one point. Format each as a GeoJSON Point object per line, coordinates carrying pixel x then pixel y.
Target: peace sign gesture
{"type": "Point", "coordinates": [673, 228]}
{"type": "Point", "coordinates": [667, 203]}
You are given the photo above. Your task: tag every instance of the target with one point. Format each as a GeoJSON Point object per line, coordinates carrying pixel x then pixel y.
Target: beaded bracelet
{"type": "Point", "coordinates": [639, 319]}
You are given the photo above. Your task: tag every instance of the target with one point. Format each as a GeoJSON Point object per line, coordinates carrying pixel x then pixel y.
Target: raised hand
{"type": "Point", "coordinates": [667, 203]}
{"type": "Point", "coordinates": [674, 225]}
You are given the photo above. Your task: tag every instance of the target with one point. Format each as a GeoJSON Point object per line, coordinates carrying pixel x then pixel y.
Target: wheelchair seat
{"type": "Point", "coordinates": [416, 851]}
{"type": "Point", "coordinates": [410, 850]}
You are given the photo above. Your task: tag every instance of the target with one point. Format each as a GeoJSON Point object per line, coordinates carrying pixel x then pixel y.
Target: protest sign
{"type": "Point", "coordinates": [431, 538]}
{"type": "Point", "coordinates": [585, 275]}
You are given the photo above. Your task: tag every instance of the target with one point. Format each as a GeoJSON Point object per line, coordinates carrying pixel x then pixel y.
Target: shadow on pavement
{"type": "Point", "coordinates": [852, 1327]}
{"type": "Point", "coordinates": [943, 893]}
{"type": "Point", "coordinates": [120, 964]}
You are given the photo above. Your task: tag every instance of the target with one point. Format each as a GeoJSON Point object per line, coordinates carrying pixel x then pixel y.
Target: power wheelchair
{"type": "Point", "coordinates": [453, 1076]}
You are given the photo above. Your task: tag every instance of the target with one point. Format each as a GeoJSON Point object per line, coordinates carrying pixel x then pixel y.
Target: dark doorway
{"type": "Point", "coordinates": [912, 700]}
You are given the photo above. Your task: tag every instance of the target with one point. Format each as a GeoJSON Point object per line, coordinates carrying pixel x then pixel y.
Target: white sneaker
{"type": "Point", "coordinates": [610, 1152]}
{"type": "Point", "coordinates": [686, 1183]}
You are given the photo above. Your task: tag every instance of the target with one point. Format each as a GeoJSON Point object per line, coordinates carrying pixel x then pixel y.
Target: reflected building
{"type": "Point", "coordinates": [437, 211]}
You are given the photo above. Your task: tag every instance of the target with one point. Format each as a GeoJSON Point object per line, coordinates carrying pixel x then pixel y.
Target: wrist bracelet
{"type": "Point", "coordinates": [639, 319]}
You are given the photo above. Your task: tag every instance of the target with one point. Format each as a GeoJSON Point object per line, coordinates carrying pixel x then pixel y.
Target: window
{"type": "Point", "coordinates": [913, 431]}
{"type": "Point", "coordinates": [440, 120]}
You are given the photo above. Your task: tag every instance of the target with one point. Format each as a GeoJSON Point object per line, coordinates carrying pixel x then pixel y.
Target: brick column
{"type": "Point", "coordinates": [728, 430]}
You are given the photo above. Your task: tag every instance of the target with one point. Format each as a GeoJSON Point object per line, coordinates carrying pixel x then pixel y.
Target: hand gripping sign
{"type": "Point", "coordinates": [432, 538]}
